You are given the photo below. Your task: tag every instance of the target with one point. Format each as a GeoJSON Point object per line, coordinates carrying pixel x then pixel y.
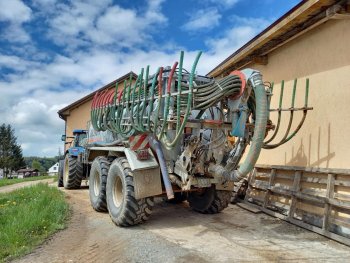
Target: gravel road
{"type": "Point", "coordinates": [12, 187]}
{"type": "Point", "coordinates": [175, 233]}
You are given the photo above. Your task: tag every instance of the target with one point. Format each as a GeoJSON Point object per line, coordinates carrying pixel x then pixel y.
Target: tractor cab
{"type": "Point", "coordinates": [79, 137]}
{"type": "Point", "coordinates": [76, 145]}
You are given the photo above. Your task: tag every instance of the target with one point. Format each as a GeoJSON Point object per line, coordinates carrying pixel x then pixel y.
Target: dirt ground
{"type": "Point", "coordinates": [175, 233]}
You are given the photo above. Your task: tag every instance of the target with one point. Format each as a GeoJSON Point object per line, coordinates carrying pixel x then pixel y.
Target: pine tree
{"type": "Point", "coordinates": [11, 157]}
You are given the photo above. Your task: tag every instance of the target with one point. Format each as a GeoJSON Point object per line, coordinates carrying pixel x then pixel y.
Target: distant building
{"type": "Point", "coordinates": [53, 170]}
{"type": "Point", "coordinates": [27, 172]}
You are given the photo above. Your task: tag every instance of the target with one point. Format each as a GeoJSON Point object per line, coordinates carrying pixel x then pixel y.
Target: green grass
{"type": "Point", "coordinates": [28, 216]}
{"type": "Point", "coordinates": [4, 181]}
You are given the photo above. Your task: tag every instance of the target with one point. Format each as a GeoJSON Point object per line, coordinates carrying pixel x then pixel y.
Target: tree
{"type": "Point", "coordinates": [11, 157]}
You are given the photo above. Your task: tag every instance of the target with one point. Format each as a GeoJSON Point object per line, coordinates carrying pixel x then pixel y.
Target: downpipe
{"type": "Point", "coordinates": [157, 147]}
{"type": "Point", "coordinates": [256, 82]}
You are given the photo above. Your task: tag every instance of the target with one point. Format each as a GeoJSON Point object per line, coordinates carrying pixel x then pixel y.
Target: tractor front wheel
{"type": "Point", "coordinates": [72, 172]}
{"type": "Point", "coordinates": [60, 173]}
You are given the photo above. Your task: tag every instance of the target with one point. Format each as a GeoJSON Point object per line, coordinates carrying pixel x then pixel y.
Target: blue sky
{"type": "Point", "coordinates": [54, 52]}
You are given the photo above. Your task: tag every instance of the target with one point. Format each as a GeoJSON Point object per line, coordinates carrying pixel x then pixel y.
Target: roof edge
{"type": "Point", "coordinates": [283, 23]}
{"type": "Point", "coordinates": [90, 95]}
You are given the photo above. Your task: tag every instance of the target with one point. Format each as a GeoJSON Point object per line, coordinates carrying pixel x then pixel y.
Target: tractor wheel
{"type": "Point", "coordinates": [123, 208]}
{"type": "Point", "coordinates": [97, 183]}
{"type": "Point", "coordinates": [209, 201]}
{"type": "Point", "coordinates": [60, 173]}
{"type": "Point", "coordinates": [72, 172]}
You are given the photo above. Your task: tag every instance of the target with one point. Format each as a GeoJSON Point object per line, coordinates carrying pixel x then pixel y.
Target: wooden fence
{"type": "Point", "coordinates": [317, 199]}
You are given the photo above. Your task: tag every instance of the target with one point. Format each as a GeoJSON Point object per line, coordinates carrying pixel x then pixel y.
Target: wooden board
{"type": "Point", "coordinates": [315, 199]}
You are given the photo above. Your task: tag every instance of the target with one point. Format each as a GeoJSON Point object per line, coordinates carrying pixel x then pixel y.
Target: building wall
{"type": "Point", "coordinates": [323, 56]}
{"type": "Point", "coordinates": [77, 119]}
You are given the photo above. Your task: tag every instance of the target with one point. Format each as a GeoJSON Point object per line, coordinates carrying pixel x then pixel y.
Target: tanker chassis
{"type": "Point", "coordinates": [180, 135]}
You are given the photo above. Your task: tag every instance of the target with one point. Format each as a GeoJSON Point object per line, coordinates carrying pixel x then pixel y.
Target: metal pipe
{"type": "Point", "coordinates": [157, 147]}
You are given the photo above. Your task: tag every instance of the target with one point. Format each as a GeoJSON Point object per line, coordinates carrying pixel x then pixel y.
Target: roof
{"type": "Point", "coordinates": [295, 22]}
{"type": "Point", "coordinates": [25, 170]}
{"type": "Point", "coordinates": [65, 111]}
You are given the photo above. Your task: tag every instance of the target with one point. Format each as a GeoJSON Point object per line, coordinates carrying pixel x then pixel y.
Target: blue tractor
{"type": "Point", "coordinates": [71, 168]}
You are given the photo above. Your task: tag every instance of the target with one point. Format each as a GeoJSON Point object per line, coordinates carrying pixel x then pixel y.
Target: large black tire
{"type": "Point", "coordinates": [60, 173]}
{"type": "Point", "coordinates": [123, 208]}
{"type": "Point", "coordinates": [72, 172]}
{"type": "Point", "coordinates": [97, 183]}
{"type": "Point", "coordinates": [209, 201]}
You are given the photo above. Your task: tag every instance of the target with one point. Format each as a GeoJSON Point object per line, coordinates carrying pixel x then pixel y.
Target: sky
{"type": "Point", "coordinates": [54, 52]}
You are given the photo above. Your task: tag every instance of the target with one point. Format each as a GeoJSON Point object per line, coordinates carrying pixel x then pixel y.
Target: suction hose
{"type": "Point", "coordinates": [258, 137]}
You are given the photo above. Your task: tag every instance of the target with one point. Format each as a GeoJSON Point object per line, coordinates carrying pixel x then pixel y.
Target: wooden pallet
{"type": "Point", "coordinates": [317, 199]}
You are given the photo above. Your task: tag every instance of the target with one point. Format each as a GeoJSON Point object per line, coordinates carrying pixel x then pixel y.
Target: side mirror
{"type": "Point", "coordinates": [63, 138]}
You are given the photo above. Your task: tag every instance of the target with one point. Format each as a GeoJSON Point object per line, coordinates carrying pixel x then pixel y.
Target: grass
{"type": "Point", "coordinates": [28, 216]}
{"type": "Point", "coordinates": [5, 181]}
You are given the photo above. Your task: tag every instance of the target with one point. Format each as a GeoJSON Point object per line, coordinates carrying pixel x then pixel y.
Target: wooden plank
{"type": "Point", "coordinates": [329, 195]}
{"type": "Point", "coordinates": [299, 223]}
{"type": "Point", "coordinates": [339, 222]}
{"type": "Point", "coordinates": [296, 188]}
{"type": "Point", "coordinates": [340, 204]}
{"type": "Point", "coordinates": [248, 206]}
{"type": "Point", "coordinates": [267, 195]}
{"type": "Point", "coordinates": [344, 197]}
{"type": "Point", "coordinates": [307, 169]}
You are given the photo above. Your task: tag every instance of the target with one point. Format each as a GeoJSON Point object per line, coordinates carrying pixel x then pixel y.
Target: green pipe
{"type": "Point", "coordinates": [179, 87]}
{"type": "Point", "coordinates": [306, 92]}
{"type": "Point", "coordinates": [294, 91]}
{"type": "Point", "coordinates": [150, 106]}
{"type": "Point", "coordinates": [189, 102]}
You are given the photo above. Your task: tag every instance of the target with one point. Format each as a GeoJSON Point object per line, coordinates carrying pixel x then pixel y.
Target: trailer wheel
{"type": "Point", "coordinates": [221, 201]}
{"type": "Point", "coordinates": [97, 183]}
{"type": "Point", "coordinates": [200, 201]}
{"type": "Point", "coordinates": [209, 200]}
{"type": "Point", "coordinates": [123, 208]}
{"type": "Point", "coordinates": [179, 197]}
{"type": "Point", "coordinates": [60, 173]}
{"type": "Point", "coordinates": [72, 172]}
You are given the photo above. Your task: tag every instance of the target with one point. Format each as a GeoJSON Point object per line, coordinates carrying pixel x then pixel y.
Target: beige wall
{"type": "Point", "coordinates": [323, 56]}
{"type": "Point", "coordinates": [77, 119]}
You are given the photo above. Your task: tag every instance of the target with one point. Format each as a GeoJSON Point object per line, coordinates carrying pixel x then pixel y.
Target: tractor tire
{"type": "Point", "coordinates": [97, 183]}
{"type": "Point", "coordinates": [123, 208]}
{"type": "Point", "coordinates": [209, 201]}
{"type": "Point", "coordinates": [72, 172]}
{"type": "Point", "coordinates": [60, 173]}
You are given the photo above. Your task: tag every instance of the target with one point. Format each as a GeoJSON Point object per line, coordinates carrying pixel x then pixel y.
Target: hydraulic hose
{"type": "Point", "coordinates": [258, 137]}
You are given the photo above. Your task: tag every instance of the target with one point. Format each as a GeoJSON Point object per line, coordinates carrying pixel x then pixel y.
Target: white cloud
{"type": "Point", "coordinates": [15, 13]}
{"type": "Point", "coordinates": [203, 19]}
{"type": "Point", "coordinates": [100, 23]}
{"type": "Point", "coordinates": [232, 39]}
{"type": "Point", "coordinates": [225, 3]}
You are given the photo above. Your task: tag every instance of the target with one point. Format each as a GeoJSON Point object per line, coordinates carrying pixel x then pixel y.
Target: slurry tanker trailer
{"type": "Point", "coordinates": [177, 134]}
